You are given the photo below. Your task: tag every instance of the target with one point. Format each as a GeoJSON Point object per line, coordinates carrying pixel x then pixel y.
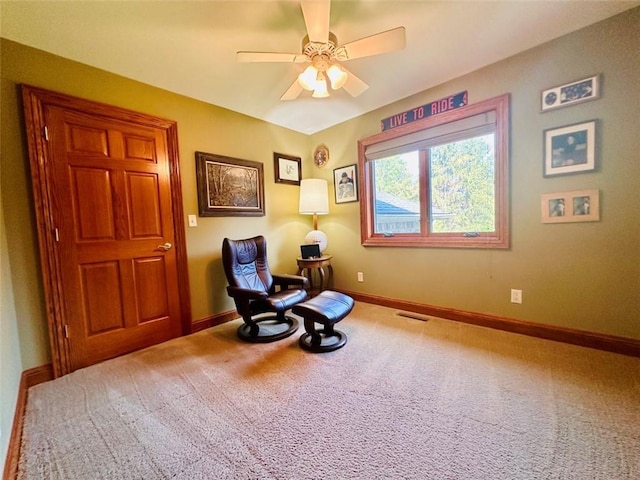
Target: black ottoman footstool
{"type": "Point", "coordinates": [327, 308]}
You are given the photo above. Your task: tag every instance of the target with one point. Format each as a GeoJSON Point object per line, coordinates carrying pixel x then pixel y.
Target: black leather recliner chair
{"type": "Point", "coordinates": [257, 293]}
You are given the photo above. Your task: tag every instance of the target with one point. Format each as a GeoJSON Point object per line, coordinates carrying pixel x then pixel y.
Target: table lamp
{"type": "Point", "coordinates": [314, 200]}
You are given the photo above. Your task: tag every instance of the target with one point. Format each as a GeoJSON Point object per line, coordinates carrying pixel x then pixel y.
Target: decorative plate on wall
{"type": "Point", "coordinates": [321, 156]}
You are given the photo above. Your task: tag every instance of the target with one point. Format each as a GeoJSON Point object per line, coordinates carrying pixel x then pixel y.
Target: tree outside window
{"type": "Point", "coordinates": [441, 182]}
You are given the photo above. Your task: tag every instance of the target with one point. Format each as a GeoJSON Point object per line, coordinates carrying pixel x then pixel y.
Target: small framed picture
{"type": "Point", "coordinates": [288, 169]}
{"type": "Point", "coordinates": [345, 180]}
{"type": "Point", "coordinates": [571, 93]}
{"type": "Point", "coordinates": [564, 207]}
{"type": "Point", "coordinates": [570, 149]}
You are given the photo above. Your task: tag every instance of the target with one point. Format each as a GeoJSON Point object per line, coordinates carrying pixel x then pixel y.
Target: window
{"type": "Point", "coordinates": [439, 182]}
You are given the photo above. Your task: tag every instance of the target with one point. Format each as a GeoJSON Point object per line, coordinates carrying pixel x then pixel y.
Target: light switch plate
{"type": "Point", "coordinates": [516, 296]}
{"type": "Point", "coordinates": [193, 221]}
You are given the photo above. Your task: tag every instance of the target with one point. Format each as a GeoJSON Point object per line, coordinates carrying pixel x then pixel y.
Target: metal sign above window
{"type": "Point", "coordinates": [439, 106]}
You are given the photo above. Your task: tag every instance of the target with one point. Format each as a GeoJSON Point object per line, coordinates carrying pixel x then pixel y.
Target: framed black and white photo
{"type": "Point", "coordinates": [565, 207]}
{"type": "Point", "coordinates": [570, 149]}
{"type": "Point", "coordinates": [571, 93]}
{"type": "Point", "coordinates": [229, 187]}
{"type": "Point", "coordinates": [345, 181]}
{"type": "Point", "coordinates": [287, 169]}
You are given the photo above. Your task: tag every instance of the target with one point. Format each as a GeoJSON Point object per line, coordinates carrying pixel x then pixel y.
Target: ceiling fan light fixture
{"type": "Point", "coordinates": [308, 78]}
{"type": "Point", "coordinates": [337, 76]}
{"type": "Point", "coordinates": [320, 90]}
{"type": "Point", "coordinates": [321, 49]}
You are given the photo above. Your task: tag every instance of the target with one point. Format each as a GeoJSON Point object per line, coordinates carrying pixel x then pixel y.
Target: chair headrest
{"type": "Point", "coordinates": [247, 251]}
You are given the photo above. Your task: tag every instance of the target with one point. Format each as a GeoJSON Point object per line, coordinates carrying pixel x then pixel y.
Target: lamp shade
{"type": "Point", "coordinates": [308, 78]}
{"type": "Point", "coordinates": [320, 89]}
{"type": "Point", "coordinates": [314, 196]}
{"type": "Point", "coordinates": [314, 200]}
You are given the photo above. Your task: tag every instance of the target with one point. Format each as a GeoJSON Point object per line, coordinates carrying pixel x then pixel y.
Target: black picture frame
{"type": "Point", "coordinates": [287, 168]}
{"type": "Point", "coordinates": [345, 182]}
{"type": "Point", "coordinates": [310, 251]}
{"type": "Point", "coordinates": [229, 187]}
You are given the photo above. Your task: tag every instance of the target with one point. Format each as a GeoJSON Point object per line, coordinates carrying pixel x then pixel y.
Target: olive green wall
{"type": "Point", "coordinates": [578, 275]}
{"type": "Point", "coordinates": [581, 275]}
{"type": "Point", "coordinates": [10, 362]}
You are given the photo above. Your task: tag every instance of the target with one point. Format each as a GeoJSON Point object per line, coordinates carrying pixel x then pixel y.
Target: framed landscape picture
{"type": "Point", "coordinates": [570, 149]}
{"type": "Point", "coordinates": [229, 186]}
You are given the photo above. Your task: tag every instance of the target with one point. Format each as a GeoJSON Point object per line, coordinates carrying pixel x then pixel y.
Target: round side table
{"type": "Point", "coordinates": [319, 264]}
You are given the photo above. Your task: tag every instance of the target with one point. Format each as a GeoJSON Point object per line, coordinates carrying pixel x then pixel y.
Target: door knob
{"type": "Point", "coordinates": [165, 246]}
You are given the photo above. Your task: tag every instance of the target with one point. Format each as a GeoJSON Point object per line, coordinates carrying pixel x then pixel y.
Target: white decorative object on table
{"type": "Point", "coordinates": [317, 236]}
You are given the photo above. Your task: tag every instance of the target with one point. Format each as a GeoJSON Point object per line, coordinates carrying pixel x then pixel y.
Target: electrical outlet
{"type": "Point", "coordinates": [193, 221]}
{"type": "Point", "coordinates": [360, 277]}
{"type": "Point", "coordinates": [516, 296]}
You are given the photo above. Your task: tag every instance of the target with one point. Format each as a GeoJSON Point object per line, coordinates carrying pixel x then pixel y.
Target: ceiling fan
{"type": "Point", "coordinates": [320, 48]}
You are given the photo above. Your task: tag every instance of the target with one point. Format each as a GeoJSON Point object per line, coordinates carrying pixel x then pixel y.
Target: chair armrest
{"type": "Point", "coordinates": [285, 280]}
{"type": "Point", "coordinates": [237, 292]}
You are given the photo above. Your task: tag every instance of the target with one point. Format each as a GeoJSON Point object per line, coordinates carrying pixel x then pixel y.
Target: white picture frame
{"type": "Point", "coordinates": [570, 149]}
{"type": "Point", "coordinates": [570, 93]}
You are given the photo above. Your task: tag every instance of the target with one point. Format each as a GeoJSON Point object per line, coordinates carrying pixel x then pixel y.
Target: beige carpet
{"type": "Point", "coordinates": [404, 399]}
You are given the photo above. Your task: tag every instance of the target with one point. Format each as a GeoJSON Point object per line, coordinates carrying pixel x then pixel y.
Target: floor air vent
{"type": "Point", "coordinates": [415, 316]}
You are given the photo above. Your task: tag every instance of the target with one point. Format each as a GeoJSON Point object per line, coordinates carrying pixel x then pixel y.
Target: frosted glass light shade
{"type": "Point", "coordinates": [337, 76]}
{"type": "Point", "coordinates": [320, 90]}
{"type": "Point", "coordinates": [308, 78]}
{"type": "Point", "coordinates": [314, 196]}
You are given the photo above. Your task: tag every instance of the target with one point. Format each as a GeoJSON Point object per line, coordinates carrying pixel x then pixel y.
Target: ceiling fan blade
{"type": "Point", "coordinates": [271, 57]}
{"type": "Point", "coordinates": [293, 91]}
{"type": "Point", "coordinates": [354, 86]}
{"type": "Point", "coordinates": [384, 42]}
{"type": "Point", "coordinates": [316, 18]}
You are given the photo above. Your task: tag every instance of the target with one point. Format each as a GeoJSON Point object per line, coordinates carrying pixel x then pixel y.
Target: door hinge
{"type": "Point", "coordinates": [65, 330]}
{"type": "Point", "coordinates": [46, 133]}
{"type": "Point", "coordinates": [56, 234]}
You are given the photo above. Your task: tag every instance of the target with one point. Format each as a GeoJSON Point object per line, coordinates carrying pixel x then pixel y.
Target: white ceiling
{"type": "Point", "coordinates": [189, 47]}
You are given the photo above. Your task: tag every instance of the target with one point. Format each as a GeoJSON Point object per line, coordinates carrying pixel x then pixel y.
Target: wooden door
{"type": "Point", "coordinates": [116, 243]}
